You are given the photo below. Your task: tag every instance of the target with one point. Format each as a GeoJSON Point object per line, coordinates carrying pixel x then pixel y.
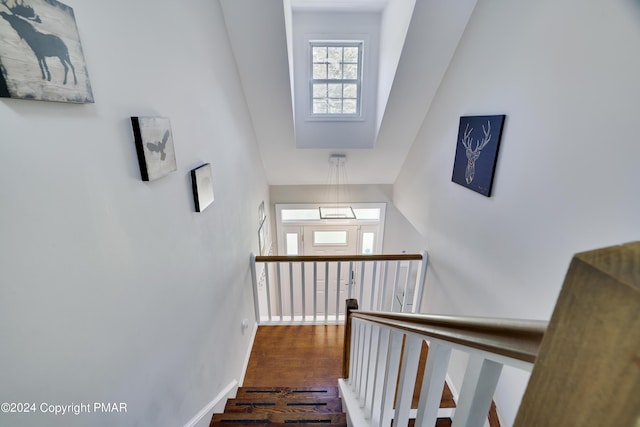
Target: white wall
{"type": "Point", "coordinates": [308, 26]}
{"type": "Point", "coordinates": [394, 24]}
{"type": "Point", "coordinates": [566, 75]}
{"type": "Point", "coordinates": [113, 289]}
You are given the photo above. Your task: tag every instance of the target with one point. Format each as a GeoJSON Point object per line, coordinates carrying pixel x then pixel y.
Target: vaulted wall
{"type": "Point", "coordinates": [113, 289]}
{"type": "Point", "coordinates": [566, 75]}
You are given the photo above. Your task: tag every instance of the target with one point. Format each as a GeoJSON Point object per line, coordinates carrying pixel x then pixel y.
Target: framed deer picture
{"type": "Point", "coordinates": [477, 151]}
{"type": "Point", "coordinates": [154, 145]}
{"type": "Point", "coordinates": [40, 53]}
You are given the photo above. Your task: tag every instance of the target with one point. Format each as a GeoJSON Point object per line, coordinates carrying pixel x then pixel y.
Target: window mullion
{"type": "Point", "coordinates": [336, 62]}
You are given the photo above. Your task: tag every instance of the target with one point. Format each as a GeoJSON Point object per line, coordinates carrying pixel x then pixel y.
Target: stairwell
{"type": "Point", "coordinates": [594, 328]}
{"type": "Point", "coordinates": [309, 360]}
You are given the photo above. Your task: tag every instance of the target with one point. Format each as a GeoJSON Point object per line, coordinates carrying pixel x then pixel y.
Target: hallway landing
{"type": "Point", "coordinates": [288, 355]}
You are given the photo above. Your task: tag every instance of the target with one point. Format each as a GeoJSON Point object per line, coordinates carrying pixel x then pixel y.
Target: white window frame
{"type": "Point", "coordinates": [358, 115]}
{"type": "Point", "coordinates": [295, 226]}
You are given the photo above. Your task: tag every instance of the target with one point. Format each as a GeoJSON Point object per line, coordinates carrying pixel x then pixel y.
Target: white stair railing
{"type": "Point", "coordinates": [376, 377]}
{"type": "Point", "coordinates": [312, 289]}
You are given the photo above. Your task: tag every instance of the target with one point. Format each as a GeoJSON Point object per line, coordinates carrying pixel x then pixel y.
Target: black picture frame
{"type": "Point", "coordinates": [477, 149]}
{"type": "Point", "coordinates": [154, 145]}
{"type": "Point", "coordinates": [202, 186]}
{"type": "Point", "coordinates": [41, 56]}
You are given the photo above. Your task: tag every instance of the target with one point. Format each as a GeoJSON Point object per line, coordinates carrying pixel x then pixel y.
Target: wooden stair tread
{"type": "Point", "coordinates": [286, 418]}
{"type": "Point", "coordinates": [283, 406]}
{"type": "Point", "coordinates": [286, 392]}
{"type": "Point", "coordinates": [440, 422]}
{"type": "Point", "coordinates": [240, 424]}
{"type": "Point", "coordinates": [293, 405]}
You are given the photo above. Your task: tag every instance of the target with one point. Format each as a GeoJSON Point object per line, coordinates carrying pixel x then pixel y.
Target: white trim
{"type": "Point", "coordinates": [248, 355]}
{"type": "Point", "coordinates": [283, 227]}
{"type": "Point", "coordinates": [206, 412]}
{"type": "Point", "coordinates": [363, 88]}
{"type": "Point", "coordinates": [356, 416]}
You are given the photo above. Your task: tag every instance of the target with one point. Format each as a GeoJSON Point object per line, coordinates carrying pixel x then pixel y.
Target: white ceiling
{"type": "Point", "coordinates": [257, 34]}
{"type": "Point", "coordinates": [344, 5]}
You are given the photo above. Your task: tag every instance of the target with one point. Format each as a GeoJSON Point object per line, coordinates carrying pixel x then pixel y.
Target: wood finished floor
{"type": "Point", "coordinates": [303, 356]}
{"type": "Point", "coordinates": [296, 356]}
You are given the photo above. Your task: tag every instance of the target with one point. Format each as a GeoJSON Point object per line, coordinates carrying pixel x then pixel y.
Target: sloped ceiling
{"type": "Point", "coordinates": [257, 33]}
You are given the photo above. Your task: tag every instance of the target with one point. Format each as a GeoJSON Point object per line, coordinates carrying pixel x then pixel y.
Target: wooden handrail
{"type": "Point", "coordinates": [335, 258]}
{"type": "Point", "coordinates": [586, 369]}
{"type": "Point", "coordinates": [518, 339]}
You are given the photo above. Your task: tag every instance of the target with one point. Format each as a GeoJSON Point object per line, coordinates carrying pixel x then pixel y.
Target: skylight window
{"type": "Point", "coordinates": [336, 78]}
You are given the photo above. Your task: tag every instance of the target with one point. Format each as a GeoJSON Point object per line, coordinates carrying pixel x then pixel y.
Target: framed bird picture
{"type": "Point", "coordinates": [154, 145]}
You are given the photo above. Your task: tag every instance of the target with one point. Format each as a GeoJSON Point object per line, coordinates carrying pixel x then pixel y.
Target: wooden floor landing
{"type": "Point", "coordinates": [296, 356]}
{"type": "Point", "coordinates": [308, 356]}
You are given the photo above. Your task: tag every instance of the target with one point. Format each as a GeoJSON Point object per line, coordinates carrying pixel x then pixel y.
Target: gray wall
{"type": "Point", "coordinates": [113, 289]}
{"type": "Point", "coordinates": [566, 76]}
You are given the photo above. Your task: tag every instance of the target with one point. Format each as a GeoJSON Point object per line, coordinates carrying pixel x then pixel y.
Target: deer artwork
{"type": "Point", "coordinates": [43, 45]}
{"type": "Point", "coordinates": [474, 153]}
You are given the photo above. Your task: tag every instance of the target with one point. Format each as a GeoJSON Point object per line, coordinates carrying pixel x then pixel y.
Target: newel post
{"type": "Point", "coordinates": [352, 304]}
{"type": "Point", "coordinates": [588, 368]}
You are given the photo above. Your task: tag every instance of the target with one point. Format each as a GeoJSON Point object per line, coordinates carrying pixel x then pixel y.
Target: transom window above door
{"type": "Point", "coordinates": [301, 231]}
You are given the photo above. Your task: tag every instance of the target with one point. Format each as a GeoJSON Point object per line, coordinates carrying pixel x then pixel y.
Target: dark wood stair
{"type": "Point", "coordinates": [283, 406]}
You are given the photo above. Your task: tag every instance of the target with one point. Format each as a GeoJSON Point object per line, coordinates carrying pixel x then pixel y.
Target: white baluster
{"type": "Point", "coordinates": [326, 291]}
{"type": "Point", "coordinates": [379, 372]}
{"type": "Point", "coordinates": [395, 286]}
{"type": "Point", "coordinates": [315, 291]}
{"type": "Point", "coordinates": [291, 289]}
{"type": "Point", "coordinates": [304, 293]}
{"type": "Point", "coordinates": [417, 296]}
{"type": "Point", "coordinates": [338, 290]}
{"type": "Point", "coordinates": [372, 369]}
{"type": "Point", "coordinates": [366, 353]}
{"type": "Point", "coordinates": [373, 286]}
{"type": "Point", "coordinates": [391, 376]}
{"type": "Point", "coordinates": [254, 281]}
{"type": "Point", "coordinates": [268, 286]}
{"type": "Point", "coordinates": [359, 359]}
{"type": "Point", "coordinates": [407, 381]}
{"type": "Point", "coordinates": [383, 299]}
{"type": "Point", "coordinates": [279, 280]}
{"type": "Point", "coordinates": [478, 387]}
{"type": "Point", "coordinates": [361, 299]}
{"type": "Point", "coordinates": [351, 276]}
{"type": "Point", "coordinates": [432, 384]}
{"type": "Point", "coordinates": [406, 287]}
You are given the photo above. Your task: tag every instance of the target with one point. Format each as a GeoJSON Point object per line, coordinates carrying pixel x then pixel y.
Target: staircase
{"type": "Point", "coordinates": [309, 359]}
{"type": "Point", "coordinates": [282, 406]}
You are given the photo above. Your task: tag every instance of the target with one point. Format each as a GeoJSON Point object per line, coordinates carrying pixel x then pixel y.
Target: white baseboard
{"type": "Point", "coordinates": [203, 418]}
{"type": "Point", "coordinates": [248, 355]}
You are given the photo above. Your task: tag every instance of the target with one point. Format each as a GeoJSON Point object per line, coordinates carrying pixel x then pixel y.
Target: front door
{"type": "Point", "coordinates": [330, 240]}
